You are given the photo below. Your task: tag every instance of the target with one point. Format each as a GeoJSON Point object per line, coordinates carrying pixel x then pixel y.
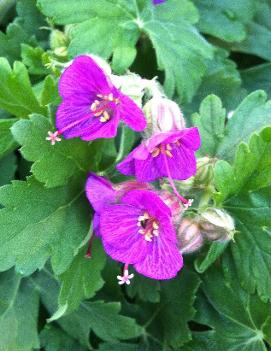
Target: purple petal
{"type": "Point", "coordinates": [74, 119]}
{"type": "Point", "coordinates": [119, 230]}
{"type": "Point", "coordinates": [149, 201]}
{"type": "Point", "coordinates": [96, 224]}
{"type": "Point", "coordinates": [132, 115]}
{"type": "Point", "coordinates": [99, 191]}
{"type": "Point", "coordinates": [83, 76]}
{"type": "Point", "coordinates": [163, 260]}
{"type": "Point", "coordinates": [157, 2]}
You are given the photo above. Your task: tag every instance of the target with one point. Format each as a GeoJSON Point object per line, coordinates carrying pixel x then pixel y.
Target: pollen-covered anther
{"type": "Point", "coordinates": [148, 227]}
{"type": "Point", "coordinates": [164, 149]}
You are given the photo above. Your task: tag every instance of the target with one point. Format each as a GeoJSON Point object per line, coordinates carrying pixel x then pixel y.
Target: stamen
{"type": "Point", "coordinates": [149, 227]}
{"type": "Point", "coordinates": [187, 203]}
{"type": "Point", "coordinates": [155, 152]}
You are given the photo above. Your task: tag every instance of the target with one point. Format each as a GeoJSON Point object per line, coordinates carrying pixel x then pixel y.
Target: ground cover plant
{"type": "Point", "coordinates": [135, 174]}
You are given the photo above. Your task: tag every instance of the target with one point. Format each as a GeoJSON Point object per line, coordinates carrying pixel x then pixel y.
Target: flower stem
{"type": "Point", "coordinates": [171, 182]}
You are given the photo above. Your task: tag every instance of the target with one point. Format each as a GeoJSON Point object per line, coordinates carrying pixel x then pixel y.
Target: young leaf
{"type": "Point", "coordinates": [53, 165]}
{"type": "Point", "coordinates": [108, 29]}
{"type": "Point", "coordinates": [7, 142]}
{"type": "Point", "coordinates": [83, 278]}
{"type": "Point", "coordinates": [38, 223]}
{"type": "Point", "coordinates": [18, 313]}
{"type": "Point", "coordinates": [19, 102]}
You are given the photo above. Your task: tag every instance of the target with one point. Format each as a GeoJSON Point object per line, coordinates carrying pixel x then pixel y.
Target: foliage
{"type": "Point", "coordinates": [213, 58]}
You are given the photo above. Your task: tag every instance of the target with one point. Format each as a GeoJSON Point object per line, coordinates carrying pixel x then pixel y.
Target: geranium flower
{"type": "Point", "coordinates": [91, 105]}
{"type": "Point", "coordinates": [170, 154]}
{"type": "Point", "coordinates": [135, 225]}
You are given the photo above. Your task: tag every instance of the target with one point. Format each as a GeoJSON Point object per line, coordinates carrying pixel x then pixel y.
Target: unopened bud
{"type": "Point", "coordinates": [163, 115]}
{"type": "Point", "coordinates": [205, 171]}
{"type": "Point", "coordinates": [173, 203]}
{"type": "Point", "coordinates": [130, 84]}
{"type": "Point", "coordinates": [182, 186]}
{"type": "Point", "coordinates": [189, 236]}
{"type": "Point", "coordinates": [58, 39]}
{"type": "Point", "coordinates": [217, 224]}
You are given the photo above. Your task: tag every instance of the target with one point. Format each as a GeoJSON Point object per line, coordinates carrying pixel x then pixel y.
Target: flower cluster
{"type": "Point", "coordinates": [135, 221]}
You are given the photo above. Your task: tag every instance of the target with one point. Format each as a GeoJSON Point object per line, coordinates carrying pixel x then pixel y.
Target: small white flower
{"type": "Point", "coordinates": [125, 279]}
{"type": "Point", "coordinates": [53, 137]}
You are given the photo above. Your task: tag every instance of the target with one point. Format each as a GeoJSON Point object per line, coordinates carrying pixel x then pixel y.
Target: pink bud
{"type": "Point", "coordinates": [173, 203]}
{"type": "Point", "coordinates": [123, 188]}
{"type": "Point", "coordinates": [189, 236]}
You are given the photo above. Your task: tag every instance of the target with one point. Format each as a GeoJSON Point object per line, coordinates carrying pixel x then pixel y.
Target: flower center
{"type": "Point", "coordinates": [148, 226]}
{"type": "Point", "coordinates": [102, 106]}
{"type": "Point", "coordinates": [164, 149]}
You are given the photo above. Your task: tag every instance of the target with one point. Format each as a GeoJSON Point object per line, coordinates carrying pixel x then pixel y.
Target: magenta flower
{"type": "Point", "coordinates": [157, 2]}
{"type": "Point", "coordinates": [91, 106]}
{"type": "Point", "coordinates": [136, 228]}
{"type": "Point", "coordinates": [170, 154]}
{"type": "Point", "coordinates": [101, 192]}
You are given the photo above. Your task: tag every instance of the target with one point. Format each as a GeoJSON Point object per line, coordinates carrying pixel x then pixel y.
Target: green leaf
{"type": "Point", "coordinates": [8, 166]}
{"type": "Point", "coordinates": [83, 278]}
{"type": "Point", "coordinates": [251, 115]}
{"type": "Point", "coordinates": [100, 317]}
{"type": "Point", "coordinates": [38, 223]}
{"type": "Point", "coordinates": [31, 19]}
{"type": "Point", "coordinates": [118, 347]}
{"type": "Point", "coordinates": [53, 165]}
{"type": "Point", "coordinates": [18, 314]}
{"type": "Point", "coordinates": [211, 124]}
{"type": "Point", "coordinates": [7, 142]}
{"type": "Point", "coordinates": [16, 94]}
{"type": "Point", "coordinates": [222, 79]}
{"type": "Point", "coordinates": [243, 193]}
{"type": "Point", "coordinates": [176, 308]}
{"type": "Point", "coordinates": [54, 339]}
{"type": "Point", "coordinates": [257, 77]}
{"type": "Point", "coordinates": [251, 169]}
{"type": "Point", "coordinates": [259, 32]}
{"type": "Point", "coordinates": [32, 58]}
{"type": "Point", "coordinates": [179, 47]}
{"type": "Point", "coordinates": [146, 289]}
{"type": "Point", "coordinates": [204, 261]}
{"type": "Point", "coordinates": [238, 318]}
{"type": "Point", "coordinates": [10, 42]}
{"type": "Point", "coordinates": [225, 20]}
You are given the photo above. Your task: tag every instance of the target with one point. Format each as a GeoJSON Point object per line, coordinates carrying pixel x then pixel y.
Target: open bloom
{"type": "Point", "coordinates": [91, 105]}
{"type": "Point", "coordinates": [136, 227]}
{"type": "Point", "coordinates": [170, 154]}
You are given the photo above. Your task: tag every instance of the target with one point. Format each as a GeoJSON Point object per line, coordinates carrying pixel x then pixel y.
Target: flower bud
{"type": "Point", "coordinates": [189, 236]}
{"type": "Point", "coordinates": [123, 188]}
{"type": "Point", "coordinates": [163, 115]}
{"type": "Point", "coordinates": [173, 203]}
{"type": "Point", "coordinates": [205, 171]}
{"type": "Point", "coordinates": [130, 84]}
{"type": "Point", "coordinates": [217, 224]}
{"type": "Point", "coordinates": [58, 39]}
